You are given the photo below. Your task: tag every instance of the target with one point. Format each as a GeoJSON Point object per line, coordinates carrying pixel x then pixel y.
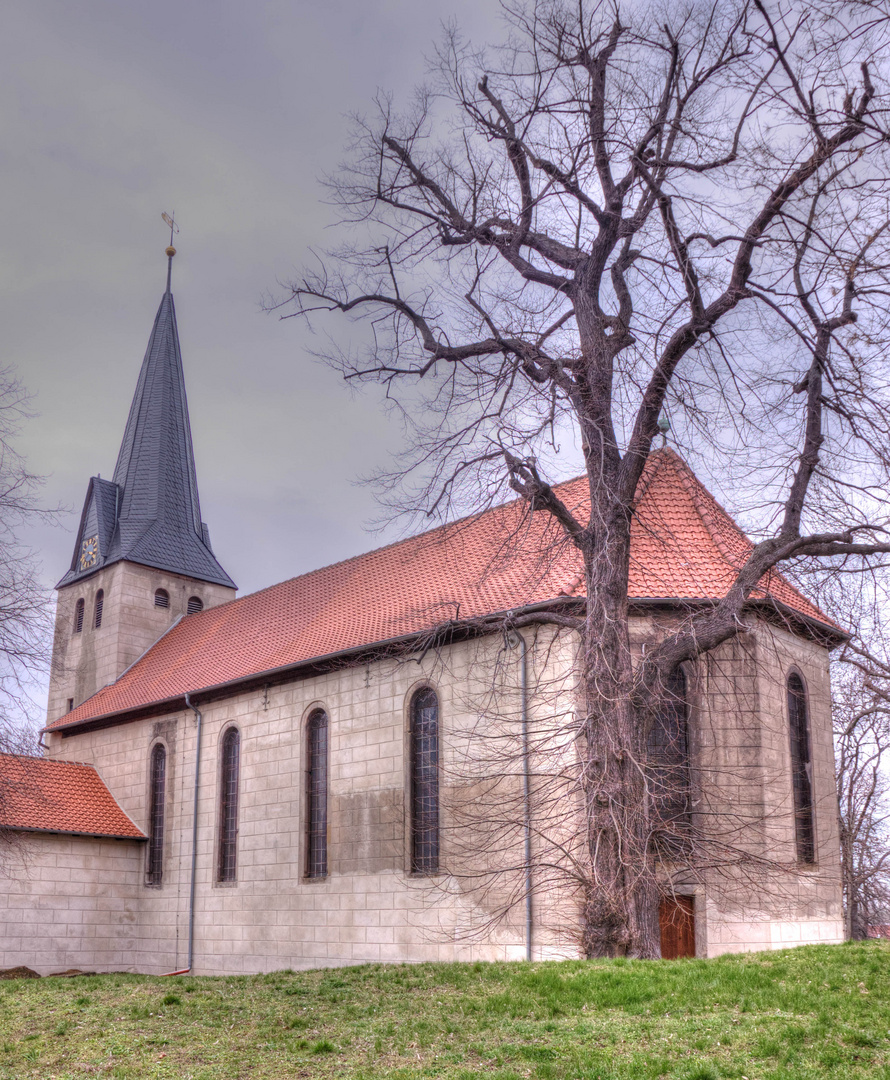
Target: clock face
{"type": "Point", "coordinates": [89, 552]}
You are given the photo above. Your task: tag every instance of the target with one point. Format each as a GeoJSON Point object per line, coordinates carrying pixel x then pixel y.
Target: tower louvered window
{"type": "Point", "coordinates": [162, 598]}
{"type": "Point", "coordinates": [424, 795]}
{"type": "Point", "coordinates": [78, 615]}
{"type": "Point", "coordinates": [195, 604]}
{"type": "Point", "coordinates": [801, 770]}
{"type": "Point", "coordinates": [317, 795]}
{"type": "Point", "coordinates": [668, 773]}
{"type": "Point", "coordinates": [158, 787]}
{"type": "Point", "coordinates": [100, 604]}
{"type": "Point", "coordinates": [228, 806]}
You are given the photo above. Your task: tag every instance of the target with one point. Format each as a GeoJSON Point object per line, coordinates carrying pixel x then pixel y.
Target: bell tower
{"type": "Point", "coordinates": [142, 558]}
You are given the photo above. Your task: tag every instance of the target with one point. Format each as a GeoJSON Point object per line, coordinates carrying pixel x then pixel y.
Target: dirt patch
{"type": "Point", "coordinates": [18, 973]}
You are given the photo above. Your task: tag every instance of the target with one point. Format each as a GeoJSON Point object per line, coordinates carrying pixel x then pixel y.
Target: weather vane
{"type": "Point", "coordinates": [174, 228]}
{"type": "Point", "coordinates": [171, 250]}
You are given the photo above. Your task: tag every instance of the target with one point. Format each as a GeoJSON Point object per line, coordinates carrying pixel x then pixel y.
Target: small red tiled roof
{"type": "Point", "coordinates": [44, 795]}
{"type": "Point", "coordinates": [684, 546]}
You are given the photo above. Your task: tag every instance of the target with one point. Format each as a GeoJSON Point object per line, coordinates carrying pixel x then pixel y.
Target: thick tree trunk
{"type": "Point", "coordinates": [621, 905]}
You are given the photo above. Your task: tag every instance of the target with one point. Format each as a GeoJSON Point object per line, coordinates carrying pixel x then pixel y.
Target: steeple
{"type": "Point", "coordinates": [149, 512]}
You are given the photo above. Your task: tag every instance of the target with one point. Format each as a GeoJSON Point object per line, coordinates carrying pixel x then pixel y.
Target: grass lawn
{"type": "Point", "coordinates": [819, 1011]}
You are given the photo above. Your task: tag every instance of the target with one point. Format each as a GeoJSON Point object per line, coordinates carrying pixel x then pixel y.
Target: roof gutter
{"type": "Point", "coordinates": [140, 839]}
{"type": "Point", "coordinates": [517, 640]}
{"type": "Point", "coordinates": [823, 629]}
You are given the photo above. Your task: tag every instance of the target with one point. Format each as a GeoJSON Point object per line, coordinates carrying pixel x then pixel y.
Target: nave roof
{"type": "Point", "coordinates": [684, 549]}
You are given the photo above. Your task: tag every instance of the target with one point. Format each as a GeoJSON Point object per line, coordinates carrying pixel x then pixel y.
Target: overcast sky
{"type": "Point", "coordinates": [227, 113]}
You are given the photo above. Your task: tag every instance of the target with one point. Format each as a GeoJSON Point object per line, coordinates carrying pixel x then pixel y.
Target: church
{"type": "Point", "coordinates": [347, 767]}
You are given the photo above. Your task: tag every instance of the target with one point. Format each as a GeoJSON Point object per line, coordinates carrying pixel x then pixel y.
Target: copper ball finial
{"type": "Point", "coordinates": [171, 251]}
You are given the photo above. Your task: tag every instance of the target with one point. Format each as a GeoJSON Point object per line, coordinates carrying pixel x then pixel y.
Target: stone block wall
{"type": "Point", "coordinates": [788, 903]}
{"type": "Point", "coordinates": [75, 902]}
{"type": "Point", "coordinates": [370, 907]}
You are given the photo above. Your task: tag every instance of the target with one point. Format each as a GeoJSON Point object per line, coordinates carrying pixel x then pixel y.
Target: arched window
{"type": "Point", "coordinates": [157, 790]}
{"type": "Point", "coordinates": [228, 806]}
{"type": "Point", "coordinates": [162, 598]}
{"type": "Point", "coordinates": [801, 770]}
{"type": "Point", "coordinates": [78, 616]}
{"type": "Point", "coordinates": [424, 781]}
{"type": "Point", "coordinates": [668, 774]}
{"type": "Point", "coordinates": [195, 604]}
{"type": "Point", "coordinates": [317, 794]}
{"type": "Point", "coordinates": [97, 613]}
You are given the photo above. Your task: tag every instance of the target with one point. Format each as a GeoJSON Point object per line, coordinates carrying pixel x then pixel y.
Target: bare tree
{"type": "Point", "coordinates": [861, 714]}
{"type": "Point", "coordinates": [862, 739]}
{"type": "Point", "coordinates": [25, 625]}
{"type": "Point", "coordinates": [624, 213]}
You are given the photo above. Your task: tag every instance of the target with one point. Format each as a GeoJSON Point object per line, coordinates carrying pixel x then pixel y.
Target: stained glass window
{"type": "Point", "coordinates": [317, 795]}
{"type": "Point", "coordinates": [424, 739]}
{"type": "Point", "coordinates": [228, 806]}
{"type": "Point", "coordinates": [157, 790]}
{"type": "Point", "coordinates": [801, 770]}
{"type": "Point", "coordinates": [668, 774]}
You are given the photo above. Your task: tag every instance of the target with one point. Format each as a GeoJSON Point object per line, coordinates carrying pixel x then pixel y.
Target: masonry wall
{"type": "Point", "coordinates": [370, 907]}
{"type": "Point", "coordinates": [83, 663]}
{"type": "Point", "coordinates": [76, 902]}
{"type": "Point", "coordinates": [745, 757]}
{"type": "Point", "coordinates": [754, 894]}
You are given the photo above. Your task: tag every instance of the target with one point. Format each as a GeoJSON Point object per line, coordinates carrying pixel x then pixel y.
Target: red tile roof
{"type": "Point", "coordinates": [684, 546]}
{"type": "Point", "coordinates": [44, 795]}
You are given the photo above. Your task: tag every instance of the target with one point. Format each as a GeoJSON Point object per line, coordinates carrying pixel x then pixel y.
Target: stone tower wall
{"type": "Point", "coordinates": [84, 662]}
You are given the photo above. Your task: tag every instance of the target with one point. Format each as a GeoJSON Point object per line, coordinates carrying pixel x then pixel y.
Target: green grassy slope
{"type": "Point", "coordinates": [820, 1011]}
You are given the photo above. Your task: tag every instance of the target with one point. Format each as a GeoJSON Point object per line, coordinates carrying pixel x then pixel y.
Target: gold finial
{"type": "Point", "coordinates": [170, 252]}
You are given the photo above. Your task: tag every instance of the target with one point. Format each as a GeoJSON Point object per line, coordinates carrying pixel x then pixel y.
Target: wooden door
{"type": "Point", "coordinates": [676, 917]}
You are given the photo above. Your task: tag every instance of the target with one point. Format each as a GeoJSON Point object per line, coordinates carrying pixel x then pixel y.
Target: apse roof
{"type": "Point", "coordinates": [149, 512]}
{"type": "Point", "coordinates": [45, 795]}
{"type": "Point", "coordinates": [684, 548]}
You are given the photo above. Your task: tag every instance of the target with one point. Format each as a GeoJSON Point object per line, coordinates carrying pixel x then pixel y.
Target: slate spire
{"type": "Point", "coordinates": [149, 513]}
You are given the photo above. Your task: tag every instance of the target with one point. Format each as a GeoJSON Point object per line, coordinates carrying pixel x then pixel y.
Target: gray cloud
{"type": "Point", "coordinates": [226, 113]}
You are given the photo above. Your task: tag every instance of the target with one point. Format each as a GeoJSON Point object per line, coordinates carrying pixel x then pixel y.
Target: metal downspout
{"type": "Point", "coordinates": [516, 639]}
{"type": "Point", "coordinates": [199, 720]}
